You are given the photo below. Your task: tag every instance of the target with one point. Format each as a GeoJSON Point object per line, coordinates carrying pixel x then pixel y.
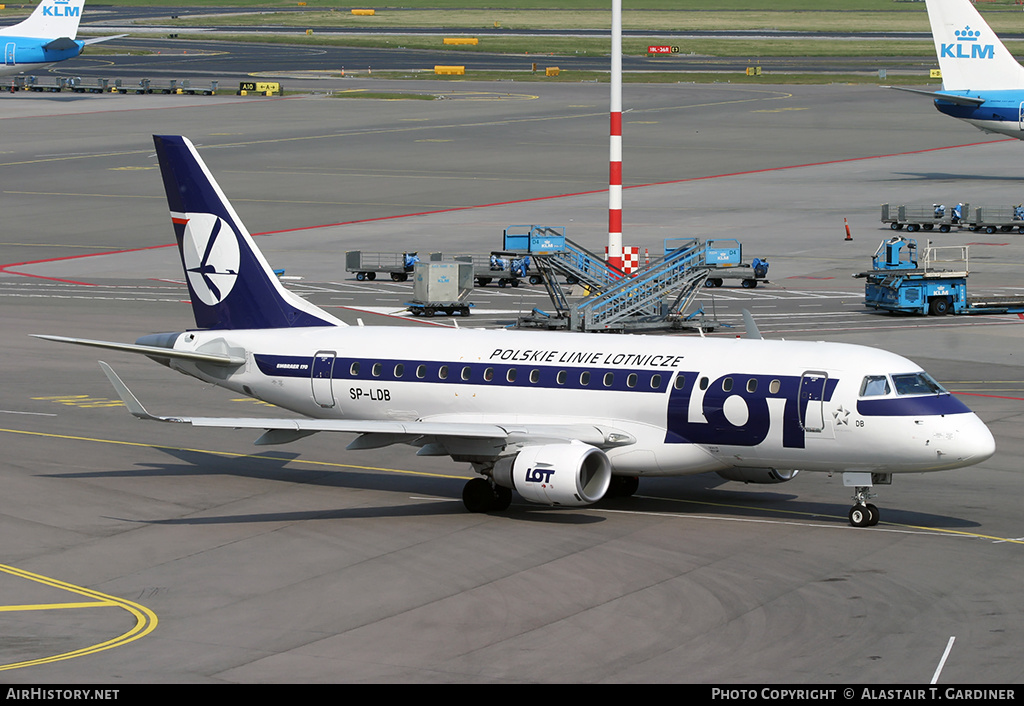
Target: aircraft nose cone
{"type": "Point", "coordinates": [975, 442]}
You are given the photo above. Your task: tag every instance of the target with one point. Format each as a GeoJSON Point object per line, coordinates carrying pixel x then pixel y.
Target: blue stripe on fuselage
{"type": "Point", "coordinates": [547, 376]}
{"type": "Point", "coordinates": [925, 406]}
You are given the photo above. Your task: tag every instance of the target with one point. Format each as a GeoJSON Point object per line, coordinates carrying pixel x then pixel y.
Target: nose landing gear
{"type": "Point", "coordinates": [863, 513]}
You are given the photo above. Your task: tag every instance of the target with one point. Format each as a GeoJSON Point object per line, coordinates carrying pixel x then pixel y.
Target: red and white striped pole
{"type": "Point", "coordinates": [615, 168]}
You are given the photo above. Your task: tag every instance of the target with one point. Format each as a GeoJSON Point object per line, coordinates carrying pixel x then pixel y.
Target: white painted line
{"type": "Point", "coordinates": [942, 662]}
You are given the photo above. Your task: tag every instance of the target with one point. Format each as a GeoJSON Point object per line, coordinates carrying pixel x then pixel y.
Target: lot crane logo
{"type": "Point", "coordinates": [967, 46]}
{"type": "Point", "coordinates": [210, 250]}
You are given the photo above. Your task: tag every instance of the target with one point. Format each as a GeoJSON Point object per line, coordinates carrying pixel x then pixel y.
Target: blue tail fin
{"type": "Point", "coordinates": [232, 285]}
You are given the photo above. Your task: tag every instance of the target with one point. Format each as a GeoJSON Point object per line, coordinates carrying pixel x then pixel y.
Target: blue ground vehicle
{"type": "Point", "coordinates": [724, 256]}
{"type": "Point", "coordinates": [936, 284]}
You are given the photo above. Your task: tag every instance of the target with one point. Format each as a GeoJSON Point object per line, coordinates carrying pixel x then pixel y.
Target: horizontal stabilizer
{"type": "Point", "coordinates": [97, 40]}
{"type": "Point", "coordinates": [948, 97]}
{"type": "Point", "coordinates": [152, 351]}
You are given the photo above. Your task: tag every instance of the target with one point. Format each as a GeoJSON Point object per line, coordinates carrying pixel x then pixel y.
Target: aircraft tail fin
{"type": "Point", "coordinates": [51, 19]}
{"type": "Point", "coordinates": [231, 284]}
{"type": "Point", "coordinates": [970, 54]}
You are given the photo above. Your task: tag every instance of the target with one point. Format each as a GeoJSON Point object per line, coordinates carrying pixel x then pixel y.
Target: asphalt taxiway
{"type": "Point", "coordinates": [138, 552]}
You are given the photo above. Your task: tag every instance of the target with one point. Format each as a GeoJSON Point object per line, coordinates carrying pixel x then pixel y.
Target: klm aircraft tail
{"type": "Point", "coordinates": [970, 54]}
{"type": "Point", "coordinates": [231, 284]}
{"type": "Point", "coordinates": [52, 19]}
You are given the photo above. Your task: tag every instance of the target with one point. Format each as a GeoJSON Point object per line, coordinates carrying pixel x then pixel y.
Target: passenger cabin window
{"type": "Point", "coordinates": [585, 378]}
{"type": "Point", "coordinates": [376, 369]}
{"type": "Point", "coordinates": [655, 381]}
{"type": "Point", "coordinates": [421, 371]}
{"type": "Point", "coordinates": [399, 370]}
{"type": "Point", "coordinates": [511, 375]}
{"type": "Point", "coordinates": [917, 384]}
{"type": "Point", "coordinates": [488, 374]}
{"type": "Point", "coordinates": [874, 386]}
{"type": "Point", "coordinates": [353, 369]}
{"type": "Point", "coordinates": [442, 372]}
{"type": "Point", "coordinates": [561, 377]}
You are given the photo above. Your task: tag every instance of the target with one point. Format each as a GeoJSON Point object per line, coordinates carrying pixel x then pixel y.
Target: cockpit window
{"type": "Point", "coordinates": [874, 386]}
{"type": "Point", "coordinates": [917, 384]}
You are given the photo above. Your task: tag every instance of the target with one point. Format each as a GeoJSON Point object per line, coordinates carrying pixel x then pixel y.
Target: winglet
{"type": "Point", "coordinates": [129, 399]}
{"type": "Point", "coordinates": [751, 327]}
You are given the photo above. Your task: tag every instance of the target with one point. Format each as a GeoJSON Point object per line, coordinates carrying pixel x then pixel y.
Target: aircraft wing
{"type": "Point", "coordinates": [434, 438]}
{"type": "Point", "coordinates": [948, 97]}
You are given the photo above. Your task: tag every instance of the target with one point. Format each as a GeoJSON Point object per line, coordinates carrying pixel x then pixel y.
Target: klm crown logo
{"type": "Point", "coordinates": [60, 8]}
{"type": "Point", "coordinates": [967, 46]}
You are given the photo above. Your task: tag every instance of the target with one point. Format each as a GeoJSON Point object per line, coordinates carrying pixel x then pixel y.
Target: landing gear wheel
{"type": "Point", "coordinates": [860, 516]}
{"type": "Point", "coordinates": [502, 498]}
{"type": "Point", "coordinates": [875, 515]}
{"type": "Point", "coordinates": [622, 486]}
{"type": "Point", "coordinates": [478, 496]}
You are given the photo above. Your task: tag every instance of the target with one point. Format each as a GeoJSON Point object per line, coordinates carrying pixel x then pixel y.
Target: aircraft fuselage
{"type": "Point", "coordinates": [693, 405]}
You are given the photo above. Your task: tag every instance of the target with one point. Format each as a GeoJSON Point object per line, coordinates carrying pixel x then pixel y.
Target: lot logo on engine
{"type": "Point", "coordinates": [539, 475]}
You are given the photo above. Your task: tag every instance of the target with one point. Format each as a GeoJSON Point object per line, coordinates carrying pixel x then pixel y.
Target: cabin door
{"type": "Point", "coordinates": [812, 400]}
{"type": "Point", "coordinates": [321, 376]}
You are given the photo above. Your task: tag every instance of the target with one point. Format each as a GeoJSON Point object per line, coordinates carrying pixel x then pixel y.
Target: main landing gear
{"type": "Point", "coordinates": [484, 495]}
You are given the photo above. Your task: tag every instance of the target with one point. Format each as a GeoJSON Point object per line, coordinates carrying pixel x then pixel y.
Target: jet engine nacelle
{"type": "Point", "coordinates": [757, 475]}
{"type": "Point", "coordinates": [569, 475]}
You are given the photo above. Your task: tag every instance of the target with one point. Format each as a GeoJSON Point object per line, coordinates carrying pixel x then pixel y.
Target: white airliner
{"type": "Point", "coordinates": [46, 37]}
{"type": "Point", "coordinates": [982, 84]}
{"type": "Point", "coordinates": [562, 418]}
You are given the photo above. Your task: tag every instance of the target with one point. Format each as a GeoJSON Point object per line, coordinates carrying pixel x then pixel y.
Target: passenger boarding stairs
{"type": "Point", "coordinates": [578, 266]}
{"type": "Point", "coordinates": [639, 301]}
